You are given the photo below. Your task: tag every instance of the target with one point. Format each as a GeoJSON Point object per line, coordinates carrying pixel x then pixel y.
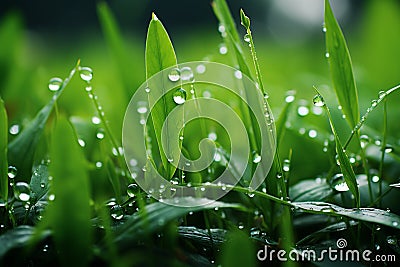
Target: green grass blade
{"type": "Point", "coordinates": [224, 16]}
{"type": "Point", "coordinates": [69, 215]}
{"type": "Point", "coordinates": [116, 44]}
{"type": "Point", "coordinates": [372, 215]}
{"type": "Point", "coordinates": [22, 149]}
{"type": "Point", "coordinates": [160, 55]}
{"type": "Point", "coordinates": [3, 152]}
{"type": "Point", "coordinates": [341, 68]}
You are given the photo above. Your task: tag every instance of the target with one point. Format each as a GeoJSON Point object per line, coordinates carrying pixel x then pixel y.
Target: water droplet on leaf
{"type": "Point", "coordinates": [318, 101]}
{"type": "Point", "coordinates": [86, 73]}
{"type": "Point", "coordinates": [174, 75]}
{"type": "Point", "coordinates": [55, 84]}
{"type": "Point", "coordinates": [179, 96]}
{"type": "Point", "coordinates": [12, 172]}
{"type": "Point", "coordinates": [22, 191]}
{"type": "Point", "coordinates": [117, 212]}
{"type": "Point", "coordinates": [186, 74]}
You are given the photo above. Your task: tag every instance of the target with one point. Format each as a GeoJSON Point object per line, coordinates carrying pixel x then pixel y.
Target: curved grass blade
{"type": "Point", "coordinates": [341, 68]}
{"type": "Point", "coordinates": [18, 237]}
{"type": "Point", "coordinates": [154, 216]}
{"type": "Point", "coordinates": [22, 149]}
{"type": "Point", "coordinates": [115, 41]}
{"type": "Point", "coordinates": [160, 55]}
{"type": "Point", "coordinates": [372, 215]}
{"type": "Point", "coordinates": [3, 152]}
{"type": "Point", "coordinates": [69, 214]}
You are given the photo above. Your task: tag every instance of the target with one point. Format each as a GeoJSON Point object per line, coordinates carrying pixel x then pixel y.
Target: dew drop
{"type": "Point", "coordinates": [223, 50]}
{"type": "Point", "coordinates": [52, 197]}
{"type": "Point", "coordinates": [246, 38]}
{"type": "Point", "coordinates": [339, 184]}
{"type": "Point", "coordinates": [391, 240]}
{"type": "Point", "coordinates": [318, 101]}
{"type": "Point", "coordinates": [212, 136]}
{"type": "Point", "coordinates": [99, 164]}
{"type": "Point", "coordinates": [179, 96]}
{"type": "Point", "coordinates": [174, 75]}
{"type": "Point", "coordinates": [89, 89]}
{"type": "Point", "coordinates": [147, 90]}
{"type": "Point", "coordinates": [100, 133]}
{"type": "Point", "coordinates": [381, 94]}
{"type": "Point", "coordinates": [238, 74]}
{"type": "Point", "coordinates": [256, 157]}
{"type": "Point", "coordinates": [375, 178]}
{"type": "Point", "coordinates": [395, 223]}
{"type": "Point", "coordinates": [286, 165]}
{"type": "Point", "coordinates": [289, 98]}
{"type": "Point", "coordinates": [22, 191]}
{"type": "Point", "coordinates": [12, 172]}
{"type": "Point", "coordinates": [96, 120]}
{"type": "Point", "coordinates": [81, 142]}
{"type": "Point", "coordinates": [86, 73]}
{"type": "Point", "coordinates": [374, 103]}
{"type": "Point", "coordinates": [132, 190]}
{"type": "Point", "coordinates": [201, 69]}
{"type": "Point", "coordinates": [117, 212]}
{"type": "Point", "coordinates": [14, 129]}
{"type": "Point", "coordinates": [186, 74]}
{"type": "Point", "coordinates": [312, 133]}
{"type": "Point", "coordinates": [279, 175]}
{"type": "Point", "coordinates": [142, 107]}
{"type": "Point", "coordinates": [364, 140]}
{"type": "Point", "coordinates": [240, 226]}
{"type": "Point", "coordinates": [327, 55]}
{"type": "Point", "coordinates": [55, 84]}
{"type": "Point", "coordinates": [303, 111]}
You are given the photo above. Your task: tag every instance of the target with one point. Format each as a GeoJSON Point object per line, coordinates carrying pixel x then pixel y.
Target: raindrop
{"type": "Point", "coordinates": [394, 223]}
{"type": "Point", "coordinates": [240, 226]}
{"type": "Point", "coordinates": [22, 191]}
{"type": "Point", "coordinates": [246, 38]}
{"type": "Point", "coordinates": [12, 172]}
{"type": "Point", "coordinates": [374, 103]}
{"type": "Point", "coordinates": [391, 240]}
{"type": "Point", "coordinates": [99, 164]}
{"type": "Point", "coordinates": [221, 29]}
{"type": "Point", "coordinates": [142, 107]}
{"type": "Point", "coordinates": [100, 133]}
{"type": "Point", "coordinates": [147, 90]}
{"type": "Point", "coordinates": [52, 197]}
{"type": "Point", "coordinates": [339, 184]}
{"type": "Point", "coordinates": [223, 50]}
{"type": "Point", "coordinates": [14, 129]}
{"type": "Point", "coordinates": [324, 28]}
{"type": "Point", "coordinates": [179, 96]}
{"type": "Point", "coordinates": [217, 157]}
{"type": "Point", "coordinates": [81, 142]}
{"type": "Point", "coordinates": [381, 94]}
{"type": "Point", "coordinates": [201, 69]}
{"type": "Point", "coordinates": [318, 101]}
{"type": "Point", "coordinates": [303, 111]}
{"type": "Point", "coordinates": [86, 73]}
{"type": "Point", "coordinates": [364, 140]}
{"type": "Point", "coordinates": [289, 98]}
{"type": "Point", "coordinates": [55, 84]}
{"type": "Point", "coordinates": [186, 74]}
{"type": "Point", "coordinates": [256, 157]}
{"type": "Point", "coordinates": [375, 178]}
{"type": "Point", "coordinates": [206, 94]}
{"type": "Point", "coordinates": [96, 120]}
{"type": "Point", "coordinates": [132, 190]}
{"type": "Point", "coordinates": [279, 175]}
{"type": "Point", "coordinates": [327, 55]}
{"type": "Point", "coordinates": [117, 212]}
{"type": "Point", "coordinates": [388, 149]}
{"type": "Point", "coordinates": [89, 89]}
{"type": "Point", "coordinates": [212, 136]}
{"type": "Point", "coordinates": [286, 165]}
{"type": "Point", "coordinates": [174, 75]}
{"type": "Point", "coordinates": [238, 74]}
{"type": "Point", "coordinates": [312, 133]}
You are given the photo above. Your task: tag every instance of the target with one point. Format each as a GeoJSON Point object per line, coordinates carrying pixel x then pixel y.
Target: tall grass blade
{"type": "Point", "coordinates": [160, 55]}
{"type": "Point", "coordinates": [3, 152]}
{"type": "Point", "coordinates": [341, 68]}
{"type": "Point", "coordinates": [69, 215]}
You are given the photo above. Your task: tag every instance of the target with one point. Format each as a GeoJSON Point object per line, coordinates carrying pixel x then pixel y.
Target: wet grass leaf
{"type": "Point", "coordinates": [3, 152]}
{"type": "Point", "coordinates": [69, 214]}
{"type": "Point", "coordinates": [341, 68]}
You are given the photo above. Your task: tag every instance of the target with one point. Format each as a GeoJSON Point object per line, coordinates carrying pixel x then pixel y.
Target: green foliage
{"type": "Point", "coordinates": [73, 236]}
{"type": "Point", "coordinates": [238, 250]}
{"type": "Point", "coordinates": [3, 152]}
{"type": "Point", "coordinates": [341, 68]}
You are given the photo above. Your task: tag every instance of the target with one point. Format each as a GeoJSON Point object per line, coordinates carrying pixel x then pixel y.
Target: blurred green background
{"type": "Point", "coordinates": [43, 39]}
